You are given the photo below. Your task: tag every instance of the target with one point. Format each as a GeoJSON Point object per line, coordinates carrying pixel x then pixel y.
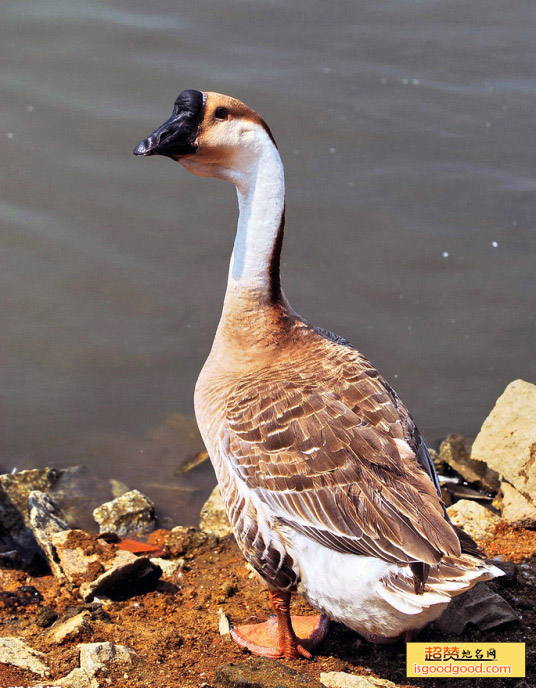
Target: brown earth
{"type": "Point", "coordinates": [174, 627]}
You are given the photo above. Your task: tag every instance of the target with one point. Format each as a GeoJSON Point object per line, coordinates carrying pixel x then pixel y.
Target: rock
{"type": "Point", "coordinates": [73, 628]}
{"type": "Point", "coordinates": [478, 606]}
{"type": "Point", "coordinates": [104, 656]}
{"type": "Point", "coordinates": [454, 451]}
{"type": "Point", "coordinates": [182, 541]}
{"type": "Point", "coordinates": [46, 617]}
{"type": "Point", "coordinates": [130, 514]}
{"type": "Point", "coordinates": [507, 440]}
{"type": "Point", "coordinates": [259, 672]}
{"type": "Point", "coordinates": [46, 520]}
{"type": "Point", "coordinates": [475, 519]}
{"type": "Point", "coordinates": [76, 679]}
{"type": "Point", "coordinates": [128, 575]}
{"type": "Point", "coordinates": [170, 567]}
{"type": "Point", "coordinates": [340, 679]}
{"type": "Point", "coordinates": [11, 559]}
{"type": "Point", "coordinates": [16, 652]}
{"type": "Point", "coordinates": [76, 491]}
{"type": "Point", "coordinates": [224, 625]}
{"type": "Point", "coordinates": [81, 556]}
{"type": "Point", "coordinates": [515, 508]}
{"type": "Point", "coordinates": [214, 517]}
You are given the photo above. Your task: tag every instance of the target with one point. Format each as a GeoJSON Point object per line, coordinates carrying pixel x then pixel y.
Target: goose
{"type": "Point", "coordinates": [327, 482]}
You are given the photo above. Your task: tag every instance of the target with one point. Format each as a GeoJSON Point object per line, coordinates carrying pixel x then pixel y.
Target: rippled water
{"type": "Point", "coordinates": [407, 132]}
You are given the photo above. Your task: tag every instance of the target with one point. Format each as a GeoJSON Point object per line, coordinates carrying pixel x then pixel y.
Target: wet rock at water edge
{"type": "Point", "coordinates": [507, 440]}
{"type": "Point", "coordinates": [455, 451]}
{"type": "Point", "coordinates": [340, 679]}
{"type": "Point", "coordinates": [16, 652]}
{"type": "Point", "coordinates": [46, 521]}
{"type": "Point", "coordinates": [475, 519]}
{"type": "Point", "coordinates": [262, 673]}
{"type": "Point", "coordinates": [130, 514]}
{"type": "Point", "coordinates": [213, 515]}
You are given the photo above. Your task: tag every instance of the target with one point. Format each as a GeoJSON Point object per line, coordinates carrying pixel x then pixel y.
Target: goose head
{"type": "Point", "coordinates": [211, 135]}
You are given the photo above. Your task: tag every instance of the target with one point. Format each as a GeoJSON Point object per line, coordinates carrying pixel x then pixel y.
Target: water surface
{"type": "Point", "coordinates": [407, 133]}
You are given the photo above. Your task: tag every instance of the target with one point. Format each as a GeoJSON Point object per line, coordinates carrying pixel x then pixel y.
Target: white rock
{"type": "Point", "coordinates": [213, 515]}
{"type": "Point", "coordinates": [340, 679]}
{"type": "Point", "coordinates": [16, 652]}
{"type": "Point", "coordinates": [515, 508]}
{"type": "Point", "coordinates": [507, 440]}
{"type": "Point", "coordinates": [169, 566]}
{"type": "Point", "coordinates": [475, 519]}
{"type": "Point", "coordinates": [96, 656]}
{"type": "Point", "coordinates": [76, 679]}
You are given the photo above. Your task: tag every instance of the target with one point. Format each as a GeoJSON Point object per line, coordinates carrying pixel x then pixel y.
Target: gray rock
{"type": "Point", "coordinates": [262, 673]}
{"type": "Point", "coordinates": [76, 491]}
{"type": "Point", "coordinates": [340, 679]}
{"type": "Point", "coordinates": [213, 515]}
{"type": "Point", "coordinates": [81, 556]}
{"type": "Point", "coordinates": [475, 519]}
{"type": "Point", "coordinates": [46, 617]}
{"type": "Point", "coordinates": [478, 606]}
{"type": "Point", "coordinates": [18, 653]}
{"type": "Point", "coordinates": [73, 628]}
{"type": "Point", "coordinates": [46, 520]}
{"type": "Point", "coordinates": [454, 451]}
{"type": "Point", "coordinates": [127, 575]}
{"type": "Point", "coordinates": [507, 440]}
{"type": "Point", "coordinates": [132, 513]}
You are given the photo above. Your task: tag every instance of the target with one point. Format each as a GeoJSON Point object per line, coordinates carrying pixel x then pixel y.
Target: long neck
{"type": "Point", "coordinates": [255, 310]}
{"type": "Point", "coordinates": [254, 267]}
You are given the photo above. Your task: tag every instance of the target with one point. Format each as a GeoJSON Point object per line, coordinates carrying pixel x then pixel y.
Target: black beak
{"type": "Point", "coordinates": [177, 136]}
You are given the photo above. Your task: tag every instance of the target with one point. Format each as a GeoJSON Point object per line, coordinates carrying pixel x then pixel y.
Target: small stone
{"type": "Point", "coordinates": [182, 541]}
{"type": "Point", "coordinates": [454, 451]}
{"type": "Point", "coordinates": [170, 567]}
{"type": "Point", "coordinates": [46, 520]}
{"type": "Point", "coordinates": [73, 628]}
{"type": "Point", "coordinates": [213, 515]}
{"type": "Point", "coordinates": [478, 606]}
{"type": "Point", "coordinates": [259, 672]}
{"type": "Point", "coordinates": [46, 617]}
{"type": "Point", "coordinates": [128, 575]}
{"type": "Point", "coordinates": [16, 652]}
{"type": "Point", "coordinates": [340, 679]}
{"type": "Point", "coordinates": [228, 588]}
{"type": "Point", "coordinates": [130, 514]}
{"type": "Point", "coordinates": [475, 519]}
{"type": "Point", "coordinates": [516, 509]}
{"type": "Point", "coordinates": [224, 625]}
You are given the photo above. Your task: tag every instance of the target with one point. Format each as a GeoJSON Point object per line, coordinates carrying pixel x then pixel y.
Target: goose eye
{"type": "Point", "coordinates": [221, 113]}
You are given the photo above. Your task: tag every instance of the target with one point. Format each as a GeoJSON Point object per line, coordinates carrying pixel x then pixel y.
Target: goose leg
{"type": "Point", "coordinates": [282, 635]}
